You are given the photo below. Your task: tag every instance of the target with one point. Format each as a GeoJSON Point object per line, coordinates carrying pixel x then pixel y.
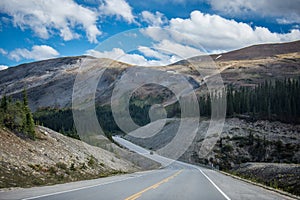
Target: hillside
{"type": "Point", "coordinates": [249, 66]}
{"type": "Point", "coordinates": [259, 51]}
{"type": "Point", "coordinates": [55, 77]}
{"type": "Point", "coordinates": [240, 141]}
{"type": "Point", "coordinates": [53, 158]}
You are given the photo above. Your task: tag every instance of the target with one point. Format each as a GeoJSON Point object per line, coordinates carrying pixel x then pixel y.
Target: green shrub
{"type": "Point", "coordinates": [61, 165]}
{"type": "Point", "coordinates": [72, 167]}
{"type": "Point", "coordinates": [92, 161]}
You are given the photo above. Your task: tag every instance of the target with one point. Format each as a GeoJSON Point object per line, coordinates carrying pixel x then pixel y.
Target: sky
{"type": "Point", "coordinates": [148, 32]}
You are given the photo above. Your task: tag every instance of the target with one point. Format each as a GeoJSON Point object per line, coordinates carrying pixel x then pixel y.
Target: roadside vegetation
{"type": "Point", "coordinates": [17, 117]}
{"type": "Point", "coordinates": [279, 176]}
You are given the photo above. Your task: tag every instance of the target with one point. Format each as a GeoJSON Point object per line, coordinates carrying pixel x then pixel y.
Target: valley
{"type": "Point", "coordinates": [261, 128]}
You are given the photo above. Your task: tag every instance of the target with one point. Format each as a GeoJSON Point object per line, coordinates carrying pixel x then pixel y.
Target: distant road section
{"type": "Point", "coordinates": [175, 181]}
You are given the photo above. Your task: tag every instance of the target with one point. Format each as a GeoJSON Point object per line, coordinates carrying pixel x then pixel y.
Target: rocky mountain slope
{"type": "Point", "coordinates": [259, 51]}
{"type": "Point", "coordinates": [240, 141]}
{"type": "Point", "coordinates": [50, 82]}
{"type": "Point", "coordinates": [53, 158]}
{"type": "Point", "coordinates": [248, 66]}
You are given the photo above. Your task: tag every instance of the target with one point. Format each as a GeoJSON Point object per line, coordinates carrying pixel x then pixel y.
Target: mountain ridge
{"type": "Point", "coordinates": [57, 76]}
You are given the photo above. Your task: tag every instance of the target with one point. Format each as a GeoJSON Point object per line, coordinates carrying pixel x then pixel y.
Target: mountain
{"type": "Point", "coordinates": [252, 65]}
{"type": "Point", "coordinates": [50, 82]}
{"type": "Point", "coordinates": [259, 51]}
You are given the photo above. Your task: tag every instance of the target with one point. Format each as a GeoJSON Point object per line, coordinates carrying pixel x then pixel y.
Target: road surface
{"type": "Point", "coordinates": [176, 180]}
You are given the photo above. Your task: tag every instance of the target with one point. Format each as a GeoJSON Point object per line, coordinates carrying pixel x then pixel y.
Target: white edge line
{"type": "Point", "coordinates": [214, 184]}
{"type": "Point", "coordinates": [226, 197]}
{"type": "Point", "coordinates": [193, 166]}
{"type": "Point", "coordinates": [76, 189]}
{"type": "Point", "coordinates": [87, 187]}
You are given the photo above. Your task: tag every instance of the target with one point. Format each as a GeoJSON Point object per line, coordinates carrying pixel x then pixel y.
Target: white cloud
{"type": "Point", "coordinates": [184, 51]}
{"type": "Point", "coordinates": [156, 19]}
{"type": "Point", "coordinates": [3, 67]}
{"type": "Point", "coordinates": [151, 53]}
{"type": "Point", "coordinates": [215, 33]}
{"type": "Point", "coordinates": [184, 38]}
{"type": "Point", "coordinates": [287, 10]}
{"type": "Point", "coordinates": [134, 59]}
{"type": "Point", "coordinates": [45, 17]}
{"type": "Point", "coordinates": [36, 53]}
{"type": "Point", "coordinates": [119, 8]}
{"type": "Point", "coordinates": [2, 51]}
{"type": "Point", "coordinates": [289, 20]}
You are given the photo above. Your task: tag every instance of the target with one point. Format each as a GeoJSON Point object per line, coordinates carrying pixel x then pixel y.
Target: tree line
{"type": "Point", "coordinates": [61, 120]}
{"type": "Point", "coordinates": [270, 100]}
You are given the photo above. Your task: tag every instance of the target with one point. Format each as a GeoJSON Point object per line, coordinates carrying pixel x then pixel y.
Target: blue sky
{"type": "Point", "coordinates": [32, 30]}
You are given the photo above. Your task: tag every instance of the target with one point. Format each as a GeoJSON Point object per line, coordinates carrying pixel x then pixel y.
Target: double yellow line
{"type": "Point", "coordinates": [156, 185]}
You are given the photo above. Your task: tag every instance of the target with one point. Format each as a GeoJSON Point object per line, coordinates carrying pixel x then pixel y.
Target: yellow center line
{"type": "Point", "coordinates": [156, 185]}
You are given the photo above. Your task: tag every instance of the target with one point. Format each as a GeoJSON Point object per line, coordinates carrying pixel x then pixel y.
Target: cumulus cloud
{"type": "Point", "coordinates": [215, 33]}
{"type": "Point", "coordinates": [156, 19]}
{"type": "Point", "coordinates": [118, 8]}
{"type": "Point", "coordinates": [45, 17]}
{"type": "Point", "coordinates": [288, 11]}
{"type": "Point", "coordinates": [3, 67]}
{"type": "Point", "coordinates": [199, 34]}
{"type": "Point", "coordinates": [36, 53]}
{"type": "Point", "coordinates": [285, 12]}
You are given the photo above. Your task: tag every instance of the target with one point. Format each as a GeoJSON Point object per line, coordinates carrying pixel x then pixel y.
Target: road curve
{"type": "Point", "coordinates": [176, 180]}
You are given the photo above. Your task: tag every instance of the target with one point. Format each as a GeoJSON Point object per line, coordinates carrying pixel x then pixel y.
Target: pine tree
{"type": "Point", "coordinates": [4, 103]}
{"type": "Point", "coordinates": [28, 122]}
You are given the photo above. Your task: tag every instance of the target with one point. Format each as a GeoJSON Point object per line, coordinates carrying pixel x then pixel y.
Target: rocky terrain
{"type": "Point", "coordinates": [279, 176]}
{"type": "Point", "coordinates": [241, 141]}
{"type": "Point", "coordinates": [53, 158]}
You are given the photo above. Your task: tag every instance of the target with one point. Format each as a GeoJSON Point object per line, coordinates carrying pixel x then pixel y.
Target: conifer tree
{"type": "Point", "coordinates": [28, 122]}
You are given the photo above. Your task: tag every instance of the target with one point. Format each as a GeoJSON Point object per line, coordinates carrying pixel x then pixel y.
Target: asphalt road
{"type": "Point", "coordinates": [176, 180]}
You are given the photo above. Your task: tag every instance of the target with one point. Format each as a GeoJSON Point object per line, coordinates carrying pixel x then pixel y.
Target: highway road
{"type": "Point", "coordinates": [175, 180]}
